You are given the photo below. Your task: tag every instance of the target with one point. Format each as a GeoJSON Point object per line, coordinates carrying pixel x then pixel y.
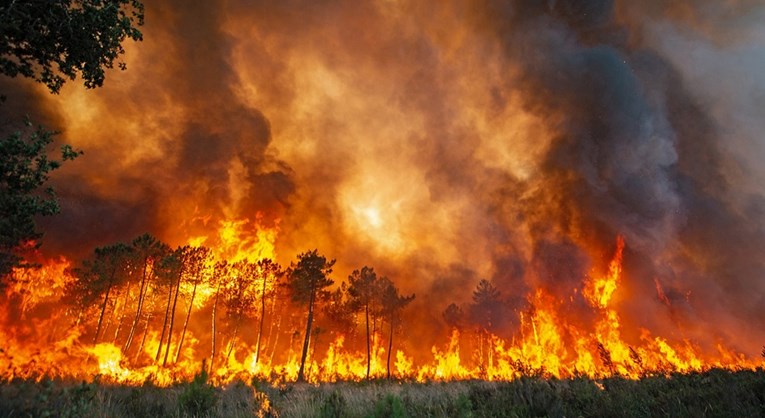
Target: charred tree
{"type": "Point", "coordinates": [307, 280]}
{"type": "Point", "coordinates": [392, 305]}
{"type": "Point", "coordinates": [365, 296]}
{"type": "Point", "coordinates": [196, 260]}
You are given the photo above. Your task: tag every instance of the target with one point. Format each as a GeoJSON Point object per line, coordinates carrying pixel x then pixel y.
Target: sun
{"type": "Point", "coordinates": [372, 217]}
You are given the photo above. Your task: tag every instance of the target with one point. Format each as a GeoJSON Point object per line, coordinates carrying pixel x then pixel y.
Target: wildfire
{"type": "Point", "coordinates": [39, 337]}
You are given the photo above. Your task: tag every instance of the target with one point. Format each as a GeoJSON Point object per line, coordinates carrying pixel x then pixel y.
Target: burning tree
{"type": "Point", "coordinates": [392, 305]}
{"type": "Point", "coordinates": [196, 271]}
{"type": "Point", "coordinates": [269, 273]}
{"type": "Point", "coordinates": [240, 297]}
{"type": "Point", "coordinates": [219, 276]}
{"type": "Point", "coordinates": [365, 293]}
{"type": "Point", "coordinates": [147, 252]}
{"type": "Point", "coordinates": [486, 313]}
{"type": "Point", "coordinates": [307, 280]}
{"type": "Point", "coordinates": [98, 277]}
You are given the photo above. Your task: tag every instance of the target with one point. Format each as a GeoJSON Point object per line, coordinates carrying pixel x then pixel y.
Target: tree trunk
{"type": "Point", "coordinates": [214, 312]}
{"type": "Point", "coordinates": [369, 348]}
{"type": "Point", "coordinates": [122, 314]}
{"type": "Point", "coordinates": [186, 322]}
{"type": "Point", "coordinates": [233, 339]}
{"type": "Point", "coordinates": [172, 317]}
{"type": "Point", "coordinates": [164, 323]}
{"type": "Point", "coordinates": [301, 371]}
{"type": "Point", "coordinates": [103, 306]}
{"type": "Point", "coordinates": [143, 340]}
{"type": "Point", "coordinates": [390, 345]}
{"type": "Point", "coordinates": [136, 319]}
{"type": "Point", "coordinates": [262, 319]}
{"type": "Point", "coordinates": [276, 320]}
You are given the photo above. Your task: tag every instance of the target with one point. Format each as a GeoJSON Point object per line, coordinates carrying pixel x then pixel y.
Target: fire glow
{"type": "Point", "coordinates": [559, 185]}
{"type": "Point", "coordinates": [62, 343]}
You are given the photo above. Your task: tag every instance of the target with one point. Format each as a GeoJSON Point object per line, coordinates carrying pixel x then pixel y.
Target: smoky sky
{"type": "Point", "coordinates": [443, 143]}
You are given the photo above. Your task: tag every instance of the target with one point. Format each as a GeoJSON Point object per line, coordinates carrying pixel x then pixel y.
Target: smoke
{"type": "Point", "coordinates": [511, 141]}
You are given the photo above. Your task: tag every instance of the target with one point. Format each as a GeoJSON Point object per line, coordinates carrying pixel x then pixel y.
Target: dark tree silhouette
{"type": "Point", "coordinates": [392, 305]}
{"type": "Point", "coordinates": [147, 251]}
{"type": "Point", "coordinates": [99, 276]}
{"type": "Point", "coordinates": [486, 309]}
{"type": "Point", "coordinates": [220, 274]}
{"type": "Point", "coordinates": [48, 41]}
{"type": "Point", "coordinates": [268, 273]}
{"type": "Point", "coordinates": [52, 40]}
{"type": "Point", "coordinates": [454, 316]}
{"type": "Point", "coordinates": [307, 279]}
{"type": "Point", "coordinates": [240, 296]}
{"type": "Point", "coordinates": [486, 312]}
{"type": "Point", "coordinates": [170, 272]}
{"type": "Point", "coordinates": [196, 261]}
{"type": "Point", "coordinates": [365, 295]}
{"type": "Point", "coordinates": [24, 169]}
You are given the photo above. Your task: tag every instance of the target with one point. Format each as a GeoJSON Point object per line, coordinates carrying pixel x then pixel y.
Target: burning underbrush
{"type": "Point", "coordinates": [143, 313]}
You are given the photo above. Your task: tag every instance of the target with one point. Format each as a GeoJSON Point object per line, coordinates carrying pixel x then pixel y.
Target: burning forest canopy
{"type": "Point", "coordinates": [566, 187]}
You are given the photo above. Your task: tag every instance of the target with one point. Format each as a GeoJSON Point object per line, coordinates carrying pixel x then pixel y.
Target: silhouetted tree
{"type": "Point", "coordinates": [99, 276]}
{"type": "Point", "coordinates": [392, 305]}
{"type": "Point", "coordinates": [196, 263]}
{"type": "Point", "coordinates": [240, 296]}
{"type": "Point", "coordinates": [454, 316]}
{"type": "Point", "coordinates": [24, 169]}
{"type": "Point", "coordinates": [268, 273]}
{"type": "Point", "coordinates": [307, 279]}
{"type": "Point", "coordinates": [221, 272]}
{"type": "Point", "coordinates": [170, 272]}
{"type": "Point", "coordinates": [365, 295]}
{"type": "Point", "coordinates": [51, 40]}
{"type": "Point", "coordinates": [48, 41]}
{"type": "Point", "coordinates": [486, 311]}
{"type": "Point", "coordinates": [147, 251]}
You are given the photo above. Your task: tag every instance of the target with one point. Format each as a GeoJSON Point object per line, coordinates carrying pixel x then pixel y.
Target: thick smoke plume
{"type": "Point", "coordinates": [443, 143]}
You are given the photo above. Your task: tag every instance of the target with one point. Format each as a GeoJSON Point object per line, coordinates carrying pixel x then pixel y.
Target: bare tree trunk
{"type": "Point", "coordinates": [172, 317]}
{"type": "Point", "coordinates": [122, 313]}
{"type": "Point", "coordinates": [136, 319]}
{"type": "Point", "coordinates": [390, 345]}
{"type": "Point", "coordinates": [143, 340]}
{"type": "Point", "coordinates": [214, 313]}
{"type": "Point", "coordinates": [313, 352]}
{"type": "Point", "coordinates": [164, 323]}
{"type": "Point", "coordinates": [103, 307]}
{"type": "Point", "coordinates": [278, 323]}
{"type": "Point", "coordinates": [369, 347]}
{"type": "Point", "coordinates": [233, 340]}
{"type": "Point", "coordinates": [110, 316]}
{"type": "Point", "coordinates": [306, 341]}
{"type": "Point", "coordinates": [262, 319]}
{"type": "Point", "coordinates": [186, 322]}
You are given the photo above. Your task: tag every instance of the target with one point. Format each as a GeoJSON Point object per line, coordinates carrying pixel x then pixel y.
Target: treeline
{"type": "Point", "coordinates": [146, 291]}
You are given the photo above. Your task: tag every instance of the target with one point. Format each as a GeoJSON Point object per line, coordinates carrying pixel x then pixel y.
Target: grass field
{"type": "Point", "coordinates": [714, 393]}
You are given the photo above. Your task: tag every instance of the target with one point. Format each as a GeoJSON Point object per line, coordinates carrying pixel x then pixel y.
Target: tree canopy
{"type": "Point", "coordinates": [50, 41]}
{"type": "Point", "coordinates": [24, 169]}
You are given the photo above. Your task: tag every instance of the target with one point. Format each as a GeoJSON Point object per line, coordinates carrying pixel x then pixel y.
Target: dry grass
{"type": "Point", "coordinates": [715, 393]}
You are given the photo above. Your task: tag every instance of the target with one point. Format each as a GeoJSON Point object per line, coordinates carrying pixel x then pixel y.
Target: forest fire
{"type": "Point", "coordinates": [363, 190]}
{"type": "Point", "coordinates": [238, 320]}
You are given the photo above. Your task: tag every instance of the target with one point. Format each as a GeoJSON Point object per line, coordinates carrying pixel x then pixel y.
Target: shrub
{"type": "Point", "coordinates": [199, 397]}
{"type": "Point", "coordinates": [334, 406]}
{"type": "Point", "coordinates": [390, 407]}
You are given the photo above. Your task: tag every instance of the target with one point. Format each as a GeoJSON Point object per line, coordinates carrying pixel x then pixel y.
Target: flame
{"type": "Point", "coordinates": [38, 338]}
